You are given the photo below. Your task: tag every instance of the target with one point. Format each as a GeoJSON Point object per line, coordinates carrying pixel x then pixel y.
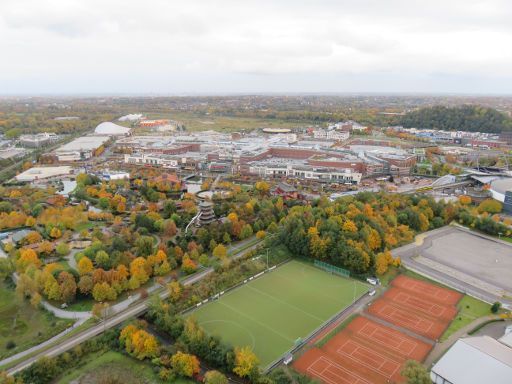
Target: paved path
{"type": "Point", "coordinates": [441, 347]}
{"type": "Point", "coordinates": [397, 328]}
{"type": "Point", "coordinates": [71, 258]}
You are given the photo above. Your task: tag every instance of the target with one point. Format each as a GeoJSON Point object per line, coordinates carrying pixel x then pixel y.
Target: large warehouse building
{"type": "Point", "coordinates": [80, 149]}
{"type": "Point", "coordinates": [474, 360]}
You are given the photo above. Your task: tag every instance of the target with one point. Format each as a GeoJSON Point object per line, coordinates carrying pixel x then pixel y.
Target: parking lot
{"type": "Point", "coordinates": [477, 256]}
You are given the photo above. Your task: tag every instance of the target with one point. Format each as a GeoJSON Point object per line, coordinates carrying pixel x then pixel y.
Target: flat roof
{"type": "Point", "coordinates": [84, 143]}
{"type": "Point", "coordinates": [43, 173]}
{"type": "Point", "coordinates": [476, 360]}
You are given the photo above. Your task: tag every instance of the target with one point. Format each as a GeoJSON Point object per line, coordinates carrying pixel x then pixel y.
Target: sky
{"type": "Point", "coordinates": [169, 47]}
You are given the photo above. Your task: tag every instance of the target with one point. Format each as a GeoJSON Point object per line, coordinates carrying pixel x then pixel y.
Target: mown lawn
{"type": "Point", "coordinates": [116, 367]}
{"type": "Point", "coordinates": [23, 324]}
{"type": "Point", "coordinates": [469, 309]}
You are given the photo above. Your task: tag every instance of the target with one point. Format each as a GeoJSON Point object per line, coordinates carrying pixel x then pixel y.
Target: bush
{"type": "Point", "coordinates": [496, 307]}
{"type": "Point", "coordinates": [10, 345]}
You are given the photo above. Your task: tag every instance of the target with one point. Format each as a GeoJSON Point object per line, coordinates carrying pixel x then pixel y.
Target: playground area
{"type": "Point", "coordinates": [274, 312]}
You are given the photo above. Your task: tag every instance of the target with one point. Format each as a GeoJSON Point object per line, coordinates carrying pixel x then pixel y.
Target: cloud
{"type": "Point", "coordinates": [225, 45]}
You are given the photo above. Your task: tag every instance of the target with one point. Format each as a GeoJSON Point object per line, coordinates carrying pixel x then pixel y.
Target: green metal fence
{"type": "Point", "coordinates": [331, 268]}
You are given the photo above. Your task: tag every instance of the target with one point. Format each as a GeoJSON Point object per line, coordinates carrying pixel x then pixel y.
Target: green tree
{"type": "Point", "coordinates": [415, 373]}
{"type": "Point", "coordinates": [62, 249]}
{"type": "Point", "coordinates": [215, 377]}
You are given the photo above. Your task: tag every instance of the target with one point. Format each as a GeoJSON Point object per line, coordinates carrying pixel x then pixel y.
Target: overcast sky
{"type": "Point", "coordinates": [245, 46]}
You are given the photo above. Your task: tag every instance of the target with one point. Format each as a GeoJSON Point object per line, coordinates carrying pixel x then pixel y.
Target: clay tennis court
{"type": "Point", "coordinates": [372, 333]}
{"type": "Point", "coordinates": [364, 352]}
{"type": "Point", "coordinates": [404, 317]}
{"type": "Point", "coordinates": [420, 304]}
{"type": "Point", "coordinates": [427, 290]}
{"type": "Point", "coordinates": [315, 363]}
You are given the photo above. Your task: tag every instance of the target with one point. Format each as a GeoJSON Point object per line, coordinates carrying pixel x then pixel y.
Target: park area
{"type": "Point", "coordinates": [403, 324]}
{"type": "Point", "coordinates": [271, 313]}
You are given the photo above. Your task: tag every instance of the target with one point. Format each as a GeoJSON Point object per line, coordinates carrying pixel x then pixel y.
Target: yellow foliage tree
{"type": "Point", "coordinates": [349, 226]}
{"type": "Point", "coordinates": [220, 251]}
{"type": "Point", "coordinates": [55, 233]}
{"type": "Point", "coordinates": [184, 364]}
{"type": "Point", "coordinates": [27, 257]}
{"type": "Point", "coordinates": [245, 361]}
{"type": "Point", "coordinates": [85, 266]}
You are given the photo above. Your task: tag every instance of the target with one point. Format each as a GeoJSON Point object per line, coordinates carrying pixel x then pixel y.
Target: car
{"type": "Point", "coordinates": [372, 280]}
{"type": "Point", "coordinates": [372, 292]}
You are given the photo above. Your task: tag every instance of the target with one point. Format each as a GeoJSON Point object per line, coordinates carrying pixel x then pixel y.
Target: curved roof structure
{"type": "Point", "coordinates": [500, 187]}
{"type": "Point", "coordinates": [108, 128]}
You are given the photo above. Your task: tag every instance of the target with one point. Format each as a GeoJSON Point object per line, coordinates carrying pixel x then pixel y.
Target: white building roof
{"type": "Point", "coordinates": [476, 360]}
{"type": "Point", "coordinates": [84, 143]}
{"type": "Point", "coordinates": [108, 128]}
{"type": "Point", "coordinates": [38, 173]}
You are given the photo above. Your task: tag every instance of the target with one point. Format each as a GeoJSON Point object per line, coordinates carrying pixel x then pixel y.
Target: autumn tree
{"type": "Point", "coordinates": [262, 187]}
{"type": "Point", "coordinates": [490, 206]}
{"type": "Point", "coordinates": [465, 199]}
{"type": "Point", "coordinates": [220, 251]}
{"type": "Point", "coordinates": [139, 343]}
{"type": "Point", "coordinates": [27, 257]}
{"type": "Point", "coordinates": [103, 292]}
{"type": "Point", "coordinates": [184, 364]}
{"type": "Point", "coordinates": [85, 266]}
{"type": "Point", "coordinates": [32, 237]}
{"type": "Point", "coordinates": [174, 288]}
{"type": "Point", "coordinates": [67, 287]}
{"type": "Point", "coordinates": [246, 362]}
{"type": "Point", "coordinates": [55, 233]}
{"type": "Point", "coordinates": [188, 265]}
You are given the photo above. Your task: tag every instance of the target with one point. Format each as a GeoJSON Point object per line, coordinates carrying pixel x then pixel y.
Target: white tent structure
{"type": "Point", "coordinates": [108, 128]}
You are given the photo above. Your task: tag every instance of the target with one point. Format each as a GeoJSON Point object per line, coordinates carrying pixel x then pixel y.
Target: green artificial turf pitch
{"type": "Point", "coordinates": [271, 312]}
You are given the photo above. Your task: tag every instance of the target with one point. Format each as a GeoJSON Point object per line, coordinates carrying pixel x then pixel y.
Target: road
{"type": "Point", "coordinates": [409, 251]}
{"type": "Point", "coordinates": [128, 313]}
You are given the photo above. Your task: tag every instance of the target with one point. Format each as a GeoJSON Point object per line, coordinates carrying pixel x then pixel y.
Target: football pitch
{"type": "Point", "coordinates": [271, 312]}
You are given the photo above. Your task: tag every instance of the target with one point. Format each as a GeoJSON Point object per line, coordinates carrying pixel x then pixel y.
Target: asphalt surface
{"type": "Point", "coordinates": [408, 253]}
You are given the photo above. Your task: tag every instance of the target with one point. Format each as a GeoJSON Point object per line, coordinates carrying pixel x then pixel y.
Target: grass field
{"type": "Point", "coordinates": [270, 313]}
{"type": "Point", "coordinates": [24, 324]}
{"type": "Point", "coordinates": [115, 367]}
{"type": "Point", "coordinates": [196, 122]}
{"type": "Point", "coordinates": [469, 309]}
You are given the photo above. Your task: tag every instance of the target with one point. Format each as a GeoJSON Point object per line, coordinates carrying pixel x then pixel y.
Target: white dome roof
{"type": "Point", "coordinates": [109, 128]}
